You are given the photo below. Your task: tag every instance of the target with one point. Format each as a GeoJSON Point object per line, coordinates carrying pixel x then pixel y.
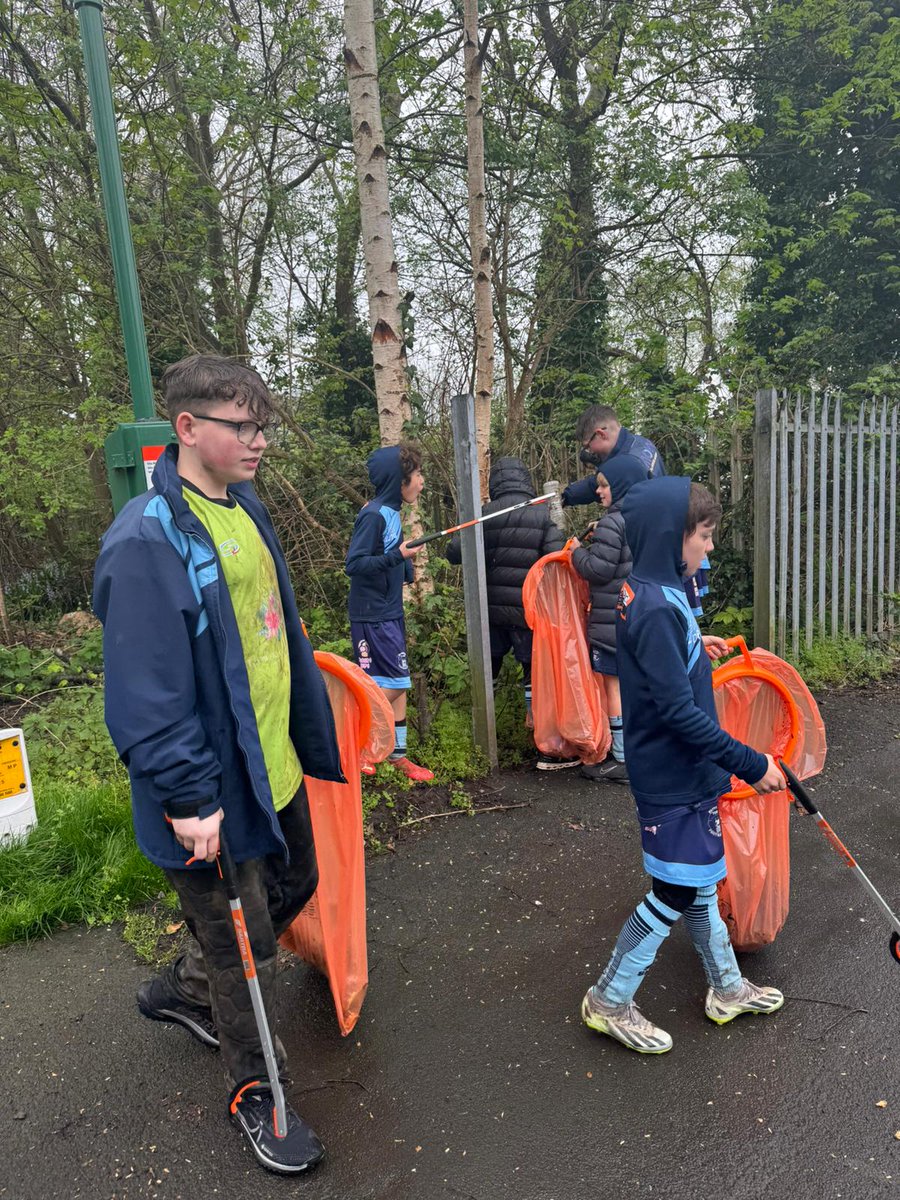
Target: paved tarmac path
{"type": "Point", "coordinates": [469, 1075]}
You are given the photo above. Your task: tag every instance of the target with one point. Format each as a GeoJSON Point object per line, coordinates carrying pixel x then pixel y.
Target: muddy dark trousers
{"type": "Point", "coordinates": [209, 974]}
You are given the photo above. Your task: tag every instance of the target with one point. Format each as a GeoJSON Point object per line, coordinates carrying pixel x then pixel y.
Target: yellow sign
{"type": "Point", "coordinates": [12, 768]}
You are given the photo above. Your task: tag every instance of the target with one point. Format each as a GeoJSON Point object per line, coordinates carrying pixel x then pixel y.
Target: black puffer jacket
{"type": "Point", "coordinates": [512, 544]}
{"type": "Point", "coordinates": [605, 564]}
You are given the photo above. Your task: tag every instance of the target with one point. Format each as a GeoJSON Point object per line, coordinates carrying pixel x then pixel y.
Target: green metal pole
{"type": "Point", "coordinates": [90, 25]}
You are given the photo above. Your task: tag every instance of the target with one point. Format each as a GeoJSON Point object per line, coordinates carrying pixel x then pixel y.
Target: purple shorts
{"type": "Point", "coordinates": [379, 647]}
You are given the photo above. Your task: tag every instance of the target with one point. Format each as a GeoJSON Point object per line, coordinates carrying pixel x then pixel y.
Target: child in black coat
{"type": "Point", "coordinates": [606, 564]}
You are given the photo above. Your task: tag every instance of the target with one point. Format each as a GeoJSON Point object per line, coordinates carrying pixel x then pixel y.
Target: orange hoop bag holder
{"type": "Point", "coordinates": [567, 699]}
{"type": "Point", "coordinates": [330, 932]}
{"type": "Point", "coordinates": [762, 701]}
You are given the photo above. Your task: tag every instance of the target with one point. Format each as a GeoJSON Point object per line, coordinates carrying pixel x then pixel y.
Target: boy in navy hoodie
{"type": "Point", "coordinates": [680, 761]}
{"type": "Point", "coordinates": [218, 710]}
{"type": "Point", "coordinates": [379, 562]}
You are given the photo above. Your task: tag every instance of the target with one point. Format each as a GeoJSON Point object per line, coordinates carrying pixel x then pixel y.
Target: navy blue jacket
{"type": "Point", "coordinates": [374, 563]}
{"type": "Point", "coordinates": [177, 695]}
{"type": "Point", "coordinates": [583, 491]}
{"type": "Point", "coordinates": [677, 753]}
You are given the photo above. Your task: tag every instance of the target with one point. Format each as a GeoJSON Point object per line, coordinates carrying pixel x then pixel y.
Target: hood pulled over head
{"type": "Point", "coordinates": [510, 476]}
{"type": "Point", "coordinates": [655, 512]}
{"type": "Point", "coordinates": [386, 475]}
{"type": "Point", "coordinates": [620, 473]}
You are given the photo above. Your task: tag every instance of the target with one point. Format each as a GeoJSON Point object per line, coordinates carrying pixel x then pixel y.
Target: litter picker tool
{"type": "Point", "coordinates": [430, 537]}
{"type": "Point", "coordinates": [804, 798]}
{"type": "Point", "coordinates": [229, 878]}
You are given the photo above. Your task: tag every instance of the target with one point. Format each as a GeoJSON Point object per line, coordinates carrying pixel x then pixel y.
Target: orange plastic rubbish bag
{"type": "Point", "coordinates": [761, 700]}
{"type": "Point", "coordinates": [567, 699]}
{"type": "Point", "coordinates": [330, 932]}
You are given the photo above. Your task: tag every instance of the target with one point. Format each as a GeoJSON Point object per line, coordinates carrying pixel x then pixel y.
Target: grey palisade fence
{"type": "Point", "coordinates": [825, 518]}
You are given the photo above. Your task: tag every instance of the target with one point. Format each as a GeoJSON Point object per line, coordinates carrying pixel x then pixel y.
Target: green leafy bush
{"type": "Point", "coordinates": [845, 662]}
{"type": "Point", "coordinates": [734, 622]}
{"type": "Point", "coordinates": [67, 738]}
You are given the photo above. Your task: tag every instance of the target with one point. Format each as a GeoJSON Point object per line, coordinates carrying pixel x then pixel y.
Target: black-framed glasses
{"type": "Point", "coordinates": [246, 431]}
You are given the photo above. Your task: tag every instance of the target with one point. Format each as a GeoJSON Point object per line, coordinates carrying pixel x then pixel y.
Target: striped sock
{"type": "Point", "coordinates": [639, 942]}
{"type": "Point", "coordinates": [709, 935]}
{"type": "Point", "coordinates": [399, 750]}
{"type": "Point", "coordinates": [618, 738]}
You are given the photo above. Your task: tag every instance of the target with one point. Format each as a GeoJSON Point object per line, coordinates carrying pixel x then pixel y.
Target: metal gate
{"type": "Point", "coordinates": [825, 518]}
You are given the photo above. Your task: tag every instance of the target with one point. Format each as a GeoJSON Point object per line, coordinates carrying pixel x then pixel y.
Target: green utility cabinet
{"type": "Point", "coordinates": [131, 453]}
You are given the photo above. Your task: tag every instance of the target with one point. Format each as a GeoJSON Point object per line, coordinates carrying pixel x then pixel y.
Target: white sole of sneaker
{"type": "Point", "coordinates": [172, 1018]}
{"type": "Point", "coordinates": [270, 1164]}
{"type": "Point", "coordinates": [560, 766]}
{"type": "Point", "coordinates": [598, 1025]}
{"type": "Point", "coordinates": [745, 1012]}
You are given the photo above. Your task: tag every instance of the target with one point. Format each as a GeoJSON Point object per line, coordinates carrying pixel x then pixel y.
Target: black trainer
{"type": "Point", "coordinates": [251, 1107]}
{"type": "Point", "coordinates": [159, 1003]}
{"type": "Point", "coordinates": [608, 771]}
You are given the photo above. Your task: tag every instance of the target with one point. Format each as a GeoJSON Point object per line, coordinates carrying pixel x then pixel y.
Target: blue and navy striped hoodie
{"type": "Point", "coordinates": [178, 701]}
{"type": "Point", "coordinates": [676, 751]}
{"type": "Point", "coordinates": [374, 563]}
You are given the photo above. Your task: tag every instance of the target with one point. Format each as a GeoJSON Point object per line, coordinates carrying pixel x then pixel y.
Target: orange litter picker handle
{"type": "Point", "coordinates": [228, 873]}
{"type": "Point", "coordinates": [430, 537]}
{"type": "Point", "coordinates": [836, 844]}
{"type": "Point", "coordinates": [745, 668]}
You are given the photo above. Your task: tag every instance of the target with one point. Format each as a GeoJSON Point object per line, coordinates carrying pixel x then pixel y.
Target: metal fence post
{"type": "Point", "coordinates": [462, 414]}
{"type": "Point", "coordinates": [763, 529]}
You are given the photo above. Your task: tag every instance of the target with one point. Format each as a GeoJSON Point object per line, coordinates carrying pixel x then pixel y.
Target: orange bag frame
{"type": "Point", "coordinates": [742, 667]}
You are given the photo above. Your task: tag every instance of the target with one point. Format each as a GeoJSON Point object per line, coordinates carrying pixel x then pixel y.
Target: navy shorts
{"type": "Point", "coordinates": [684, 844]}
{"type": "Point", "coordinates": [603, 661]}
{"type": "Point", "coordinates": [379, 647]}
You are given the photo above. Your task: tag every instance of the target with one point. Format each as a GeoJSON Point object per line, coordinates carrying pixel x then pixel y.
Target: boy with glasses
{"type": "Point", "coordinates": [216, 707]}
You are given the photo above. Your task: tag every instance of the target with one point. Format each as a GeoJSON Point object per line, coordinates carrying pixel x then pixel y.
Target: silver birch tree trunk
{"type": "Point", "coordinates": [482, 268]}
{"type": "Point", "coordinates": [388, 348]}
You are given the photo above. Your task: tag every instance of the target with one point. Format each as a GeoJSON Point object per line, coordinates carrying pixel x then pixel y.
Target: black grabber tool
{"type": "Point", "coordinates": [229, 878]}
{"type": "Point", "coordinates": [806, 800]}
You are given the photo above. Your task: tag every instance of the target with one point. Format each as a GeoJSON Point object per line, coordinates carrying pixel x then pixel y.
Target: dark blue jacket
{"type": "Point", "coordinates": [583, 491]}
{"type": "Point", "coordinates": [177, 695]}
{"type": "Point", "coordinates": [374, 563]}
{"type": "Point", "coordinates": [677, 753]}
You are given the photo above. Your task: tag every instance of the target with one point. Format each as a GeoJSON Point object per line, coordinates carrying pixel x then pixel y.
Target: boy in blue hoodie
{"type": "Point", "coordinates": [379, 562]}
{"type": "Point", "coordinates": [218, 710]}
{"type": "Point", "coordinates": [680, 761]}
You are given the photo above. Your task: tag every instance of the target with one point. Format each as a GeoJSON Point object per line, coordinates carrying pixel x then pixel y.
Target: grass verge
{"type": "Point", "coordinates": [841, 662]}
{"type": "Point", "coordinates": [81, 863]}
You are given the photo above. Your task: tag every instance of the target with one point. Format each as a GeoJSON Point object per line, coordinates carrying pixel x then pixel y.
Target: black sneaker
{"type": "Point", "coordinates": [252, 1108]}
{"type": "Point", "coordinates": [549, 762]}
{"type": "Point", "coordinates": [609, 771]}
{"type": "Point", "coordinates": [157, 1002]}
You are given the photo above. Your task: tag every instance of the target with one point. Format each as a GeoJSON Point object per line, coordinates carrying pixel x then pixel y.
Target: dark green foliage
{"type": "Point", "coordinates": [824, 152]}
{"type": "Point", "coordinates": [845, 662]}
{"type": "Point", "coordinates": [67, 738]}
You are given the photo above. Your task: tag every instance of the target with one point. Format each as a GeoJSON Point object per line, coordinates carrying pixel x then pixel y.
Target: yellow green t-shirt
{"type": "Point", "coordinates": [252, 583]}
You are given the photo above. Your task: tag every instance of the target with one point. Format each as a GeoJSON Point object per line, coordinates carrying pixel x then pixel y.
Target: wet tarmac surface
{"type": "Point", "coordinates": [470, 1074]}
